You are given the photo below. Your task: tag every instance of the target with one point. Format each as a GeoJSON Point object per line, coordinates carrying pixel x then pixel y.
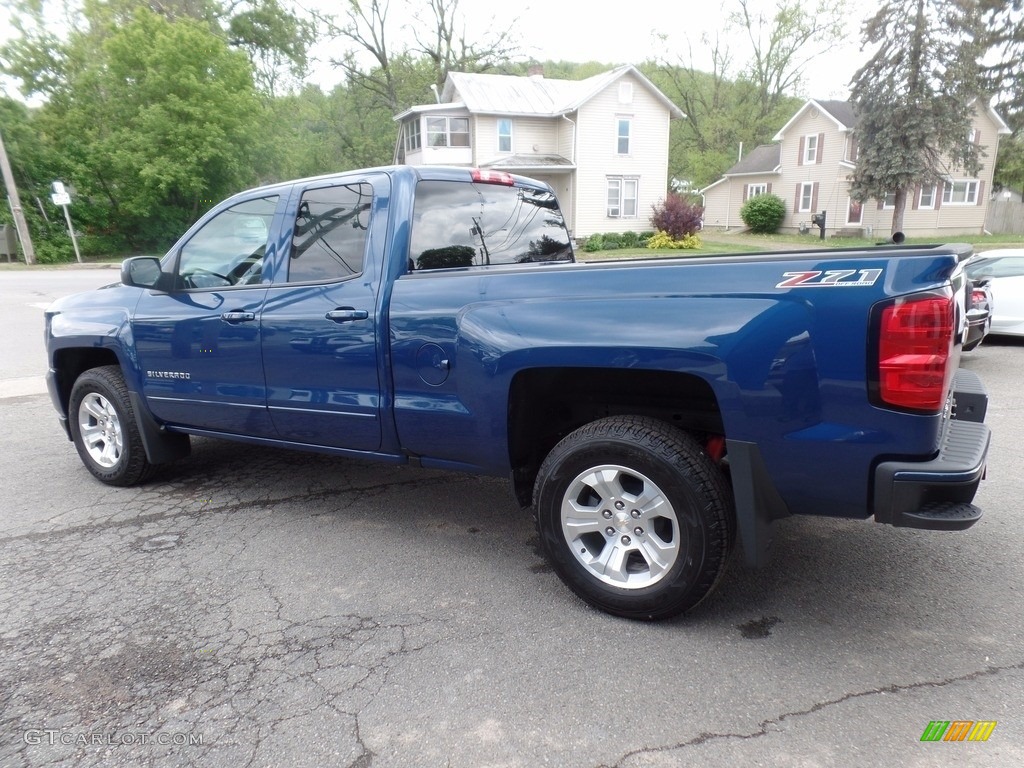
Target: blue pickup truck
{"type": "Point", "coordinates": [651, 413]}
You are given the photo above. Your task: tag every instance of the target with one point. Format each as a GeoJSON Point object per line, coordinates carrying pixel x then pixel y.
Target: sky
{"type": "Point", "coordinates": [587, 30]}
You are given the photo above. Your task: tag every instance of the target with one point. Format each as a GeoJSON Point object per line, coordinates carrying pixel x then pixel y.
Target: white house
{"type": "Point", "coordinates": [809, 166]}
{"type": "Point", "coordinates": [601, 143]}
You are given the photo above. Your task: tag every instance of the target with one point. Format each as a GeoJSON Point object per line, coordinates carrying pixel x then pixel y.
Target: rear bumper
{"type": "Point", "coordinates": [937, 494]}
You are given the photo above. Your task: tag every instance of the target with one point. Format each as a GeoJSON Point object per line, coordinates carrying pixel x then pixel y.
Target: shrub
{"type": "Point", "coordinates": [630, 240]}
{"type": "Point", "coordinates": [611, 241]}
{"type": "Point", "coordinates": [678, 216]}
{"type": "Point", "coordinates": [594, 243]}
{"type": "Point", "coordinates": [665, 240]}
{"type": "Point", "coordinates": [446, 258]}
{"type": "Point", "coordinates": [763, 213]}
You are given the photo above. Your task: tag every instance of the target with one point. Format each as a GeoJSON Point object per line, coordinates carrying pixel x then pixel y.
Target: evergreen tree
{"type": "Point", "coordinates": [915, 98]}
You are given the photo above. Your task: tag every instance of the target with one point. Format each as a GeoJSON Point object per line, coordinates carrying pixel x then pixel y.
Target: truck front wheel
{"type": "Point", "coordinates": [104, 429]}
{"type": "Point", "coordinates": [634, 516]}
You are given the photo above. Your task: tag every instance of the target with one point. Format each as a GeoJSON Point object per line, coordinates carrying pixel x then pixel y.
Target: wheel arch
{"type": "Point", "coordinates": [69, 363]}
{"type": "Point", "coordinates": [546, 404]}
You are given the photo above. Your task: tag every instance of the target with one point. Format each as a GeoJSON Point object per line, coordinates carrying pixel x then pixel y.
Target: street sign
{"type": "Point", "coordinates": [61, 198]}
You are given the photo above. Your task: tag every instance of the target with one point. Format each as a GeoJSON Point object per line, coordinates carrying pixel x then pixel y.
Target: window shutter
{"type": "Point", "coordinates": [853, 149]}
{"type": "Point", "coordinates": [814, 197]}
{"type": "Point", "coordinates": [917, 198]}
{"type": "Point", "coordinates": [981, 191]}
{"type": "Point", "coordinates": [746, 191]}
{"type": "Point", "coordinates": [796, 204]}
{"type": "Point", "coordinates": [821, 148]}
{"type": "Point", "coordinates": [977, 136]}
{"type": "Point", "coordinates": [769, 189]}
{"type": "Point", "coordinates": [881, 203]}
{"type": "Point", "coordinates": [800, 155]}
{"type": "Point", "coordinates": [940, 189]}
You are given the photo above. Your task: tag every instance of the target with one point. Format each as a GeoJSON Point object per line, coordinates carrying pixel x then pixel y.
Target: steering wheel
{"type": "Point", "coordinates": [200, 271]}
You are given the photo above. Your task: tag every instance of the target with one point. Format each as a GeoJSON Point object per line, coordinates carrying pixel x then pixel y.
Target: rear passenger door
{"type": "Point", "coordinates": [320, 326]}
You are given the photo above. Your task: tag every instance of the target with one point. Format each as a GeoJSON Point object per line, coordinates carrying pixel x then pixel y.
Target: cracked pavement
{"type": "Point", "coordinates": [291, 609]}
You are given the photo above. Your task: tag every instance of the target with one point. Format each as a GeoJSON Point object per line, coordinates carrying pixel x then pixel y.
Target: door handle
{"type": "Point", "coordinates": [347, 314]}
{"type": "Point", "coordinates": [238, 317]}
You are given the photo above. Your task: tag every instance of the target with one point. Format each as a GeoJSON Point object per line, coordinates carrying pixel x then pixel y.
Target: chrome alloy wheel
{"type": "Point", "coordinates": [620, 526]}
{"type": "Point", "coordinates": [101, 430]}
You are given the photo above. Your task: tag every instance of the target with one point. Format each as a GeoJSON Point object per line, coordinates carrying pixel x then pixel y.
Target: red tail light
{"type": "Point", "coordinates": [915, 343]}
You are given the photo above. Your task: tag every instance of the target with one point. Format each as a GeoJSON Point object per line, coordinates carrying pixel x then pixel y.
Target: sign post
{"type": "Point", "coordinates": [62, 198]}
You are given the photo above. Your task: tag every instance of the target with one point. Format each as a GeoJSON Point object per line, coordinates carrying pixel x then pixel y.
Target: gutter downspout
{"type": "Point", "coordinates": [574, 170]}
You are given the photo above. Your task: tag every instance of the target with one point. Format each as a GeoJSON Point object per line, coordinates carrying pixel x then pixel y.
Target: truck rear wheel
{"type": "Point", "coordinates": [634, 516]}
{"type": "Point", "coordinates": [104, 429]}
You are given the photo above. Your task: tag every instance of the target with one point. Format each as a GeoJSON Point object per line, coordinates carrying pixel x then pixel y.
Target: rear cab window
{"type": "Point", "coordinates": [460, 224]}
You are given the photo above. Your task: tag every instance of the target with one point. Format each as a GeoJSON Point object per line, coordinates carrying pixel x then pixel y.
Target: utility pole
{"type": "Point", "coordinates": [19, 215]}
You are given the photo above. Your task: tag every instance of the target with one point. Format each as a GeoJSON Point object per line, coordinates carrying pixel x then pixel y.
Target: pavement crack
{"type": "Point", "coordinates": [764, 727]}
{"type": "Point", "coordinates": [212, 508]}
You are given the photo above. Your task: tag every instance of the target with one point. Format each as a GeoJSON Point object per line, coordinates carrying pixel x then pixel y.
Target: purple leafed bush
{"type": "Point", "coordinates": [678, 216]}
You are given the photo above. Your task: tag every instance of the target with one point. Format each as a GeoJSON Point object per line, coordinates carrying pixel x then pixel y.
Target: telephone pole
{"type": "Point", "coordinates": [19, 215]}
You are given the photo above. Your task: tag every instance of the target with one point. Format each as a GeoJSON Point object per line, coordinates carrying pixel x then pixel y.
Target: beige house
{"type": "Point", "coordinates": [809, 165]}
{"type": "Point", "coordinates": [601, 143]}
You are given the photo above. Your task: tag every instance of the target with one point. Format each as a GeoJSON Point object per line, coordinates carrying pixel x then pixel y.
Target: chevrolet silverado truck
{"type": "Point", "coordinates": [652, 413]}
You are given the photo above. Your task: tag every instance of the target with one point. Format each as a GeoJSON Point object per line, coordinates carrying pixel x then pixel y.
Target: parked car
{"type": "Point", "coordinates": [979, 313]}
{"type": "Point", "coordinates": [1003, 270]}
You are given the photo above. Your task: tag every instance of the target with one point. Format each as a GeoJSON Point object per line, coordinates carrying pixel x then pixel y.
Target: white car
{"type": "Point", "coordinates": [1003, 269]}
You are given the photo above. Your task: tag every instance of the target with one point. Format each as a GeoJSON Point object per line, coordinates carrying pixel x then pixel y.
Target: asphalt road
{"type": "Point", "coordinates": [256, 607]}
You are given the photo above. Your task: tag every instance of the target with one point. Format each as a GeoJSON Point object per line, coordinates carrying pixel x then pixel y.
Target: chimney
{"type": "Point", "coordinates": [536, 71]}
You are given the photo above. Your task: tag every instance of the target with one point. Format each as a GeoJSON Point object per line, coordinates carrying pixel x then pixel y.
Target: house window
{"type": "Point", "coordinates": [622, 197]}
{"type": "Point", "coordinates": [889, 201]}
{"type": "Point", "coordinates": [504, 135]}
{"type": "Point", "coordinates": [927, 198]}
{"type": "Point", "coordinates": [622, 136]}
{"type": "Point", "coordinates": [963, 192]}
{"type": "Point", "coordinates": [448, 131]}
{"type": "Point", "coordinates": [851, 149]}
{"type": "Point", "coordinates": [753, 190]}
{"type": "Point", "coordinates": [412, 135]}
{"type": "Point", "coordinates": [806, 197]}
{"type": "Point", "coordinates": [811, 149]}
{"type": "Point", "coordinates": [972, 136]}
{"type": "Point", "coordinates": [854, 212]}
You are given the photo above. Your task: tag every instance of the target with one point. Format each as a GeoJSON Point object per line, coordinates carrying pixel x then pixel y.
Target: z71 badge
{"type": "Point", "coordinates": [831, 278]}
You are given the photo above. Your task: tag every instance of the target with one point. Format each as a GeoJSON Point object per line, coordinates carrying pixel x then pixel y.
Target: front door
{"type": "Point", "coordinates": [199, 344]}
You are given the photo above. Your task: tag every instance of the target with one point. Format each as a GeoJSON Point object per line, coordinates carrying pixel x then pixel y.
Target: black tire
{"type": "Point", "coordinates": [649, 559]}
{"type": "Point", "coordinates": [104, 429]}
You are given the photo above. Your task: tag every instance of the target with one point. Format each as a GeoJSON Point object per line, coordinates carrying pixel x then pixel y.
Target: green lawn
{"type": "Point", "coordinates": [719, 243]}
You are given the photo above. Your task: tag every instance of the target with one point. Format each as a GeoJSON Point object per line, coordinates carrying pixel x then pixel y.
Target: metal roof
{"type": "Point", "coordinates": [535, 94]}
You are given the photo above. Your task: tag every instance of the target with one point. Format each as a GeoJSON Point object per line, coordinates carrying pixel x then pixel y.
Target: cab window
{"type": "Point", "coordinates": [329, 240]}
{"type": "Point", "coordinates": [230, 248]}
{"type": "Point", "coordinates": [458, 224]}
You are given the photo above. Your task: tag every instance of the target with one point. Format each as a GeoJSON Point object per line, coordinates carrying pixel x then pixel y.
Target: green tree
{"type": "Point", "coordinates": [1003, 66]}
{"type": "Point", "coordinates": [915, 98]}
{"type": "Point", "coordinates": [783, 45]}
{"type": "Point", "coordinates": [747, 96]}
{"type": "Point", "coordinates": [152, 118]}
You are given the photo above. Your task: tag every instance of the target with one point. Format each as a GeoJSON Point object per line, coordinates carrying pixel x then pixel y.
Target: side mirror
{"type": "Point", "coordinates": [143, 272]}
